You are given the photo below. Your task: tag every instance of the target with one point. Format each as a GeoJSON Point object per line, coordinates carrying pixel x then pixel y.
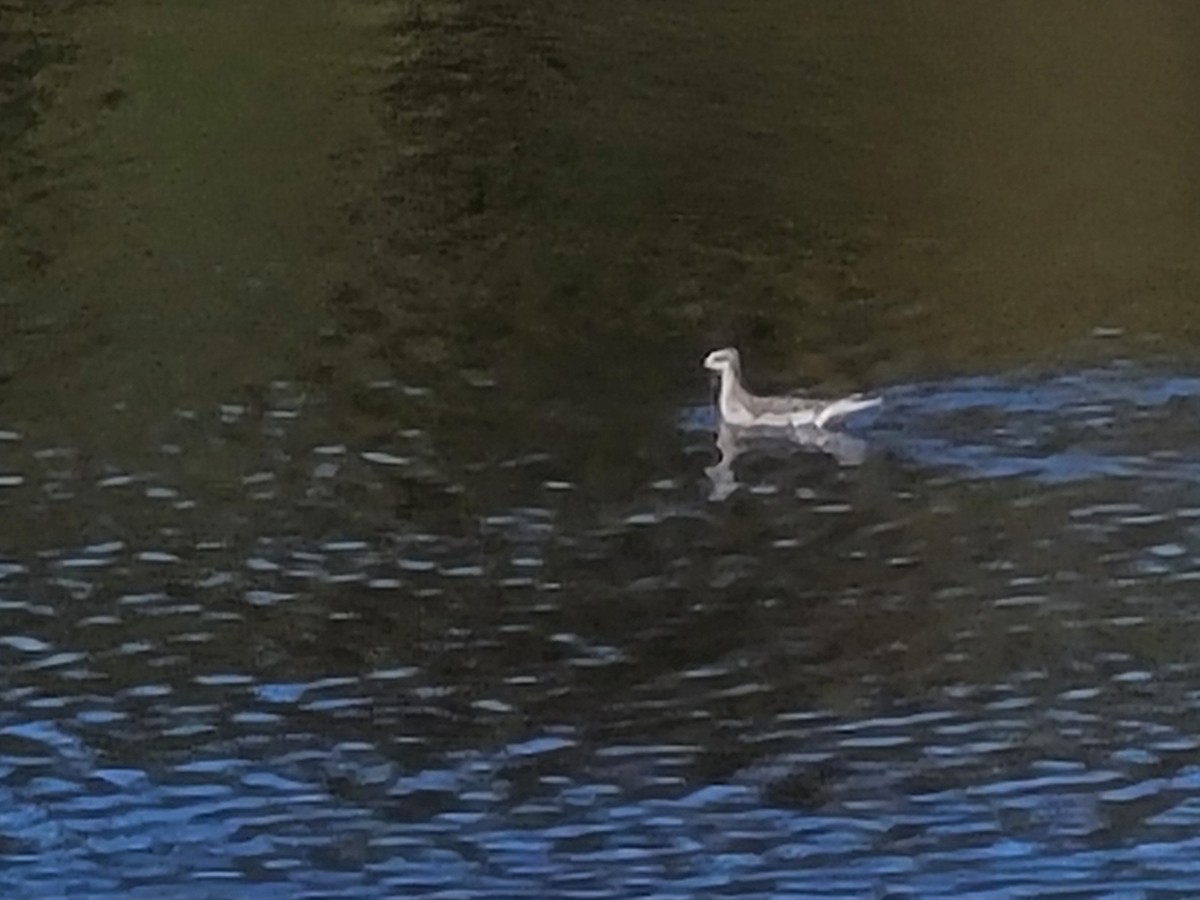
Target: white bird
{"type": "Point", "coordinates": [740, 408]}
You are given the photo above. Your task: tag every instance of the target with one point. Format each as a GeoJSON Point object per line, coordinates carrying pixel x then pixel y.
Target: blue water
{"type": "Point", "coordinates": [962, 667]}
{"type": "Point", "coordinates": [1119, 421]}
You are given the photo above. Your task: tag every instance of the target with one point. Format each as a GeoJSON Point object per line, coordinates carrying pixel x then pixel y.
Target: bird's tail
{"type": "Point", "coordinates": [839, 409]}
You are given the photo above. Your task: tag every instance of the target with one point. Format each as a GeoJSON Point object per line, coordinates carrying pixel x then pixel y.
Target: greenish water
{"type": "Point", "coordinates": [191, 174]}
{"type": "Point", "coordinates": [367, 529]}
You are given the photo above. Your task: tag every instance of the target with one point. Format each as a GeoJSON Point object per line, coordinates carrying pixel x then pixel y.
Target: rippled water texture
{"type": "Point", "coordinates": [962, 668]}
{"type": "Point", "coordinates": [365, 528]}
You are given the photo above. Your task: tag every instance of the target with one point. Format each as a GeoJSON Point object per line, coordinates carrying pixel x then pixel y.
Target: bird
{"type": "Point", "coordinates": [742, 409]}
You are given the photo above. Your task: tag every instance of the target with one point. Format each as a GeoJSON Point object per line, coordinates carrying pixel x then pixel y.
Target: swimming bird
{"type": "Point", "coordinates": [743, 409]}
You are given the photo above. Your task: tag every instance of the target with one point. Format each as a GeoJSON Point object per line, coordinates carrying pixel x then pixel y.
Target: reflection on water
{"type": "Point", "coordinates": [1098, 423]}
{"type": "Point", "coordinates": [947, 671]}
{"type": "Point", "coordinates": [731, 443]}
{"type": "Point", "coordinates": [359, 540]}
{"type": "Point", "coordinates": [1050, 429]}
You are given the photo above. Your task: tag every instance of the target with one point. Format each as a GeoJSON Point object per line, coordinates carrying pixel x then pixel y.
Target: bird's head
{"type": "Point", "coordinates": [723, 360]}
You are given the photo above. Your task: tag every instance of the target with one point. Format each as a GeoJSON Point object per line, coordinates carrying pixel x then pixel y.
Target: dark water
{"type": "Point", "coordinates": [964, 667]}
{"type": "Point", "coordinates": [390, 552]}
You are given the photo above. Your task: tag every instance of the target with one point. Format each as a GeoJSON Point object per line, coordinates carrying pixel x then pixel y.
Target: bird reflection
{"type": "Point", "coordinates": [733, 441]}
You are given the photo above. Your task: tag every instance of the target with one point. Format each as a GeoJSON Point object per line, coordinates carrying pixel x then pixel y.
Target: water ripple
{"type": "Point", "coordinates": [906, 676]}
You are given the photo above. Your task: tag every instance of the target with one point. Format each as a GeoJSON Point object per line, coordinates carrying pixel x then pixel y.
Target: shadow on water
{"type": "Point", "coordinates": [428, 597]}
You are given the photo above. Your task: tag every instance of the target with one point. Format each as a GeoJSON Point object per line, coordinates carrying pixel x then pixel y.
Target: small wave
{"type": "Point", "coordinates": [1117, 421]}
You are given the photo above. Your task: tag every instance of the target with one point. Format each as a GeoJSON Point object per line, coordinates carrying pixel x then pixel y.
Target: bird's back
{"type": "Point", "coordinates": [783, 405]}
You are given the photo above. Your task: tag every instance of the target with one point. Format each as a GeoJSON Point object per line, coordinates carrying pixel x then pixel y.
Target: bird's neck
{"type": "Point", "coordinates": [731, 391]}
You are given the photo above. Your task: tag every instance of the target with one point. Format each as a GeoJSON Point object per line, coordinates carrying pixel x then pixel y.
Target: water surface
{"type": "Point", "coordinates": [365, 531]}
